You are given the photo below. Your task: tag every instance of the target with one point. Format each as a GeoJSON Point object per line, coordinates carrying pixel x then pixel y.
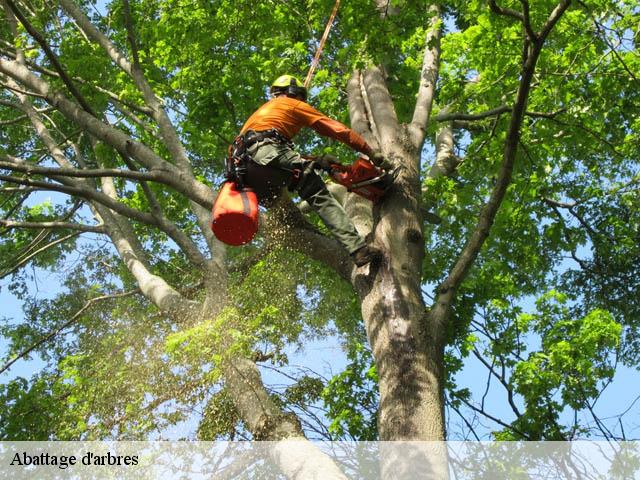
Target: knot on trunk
{"type": "Point", "coordinates": [400, 333]}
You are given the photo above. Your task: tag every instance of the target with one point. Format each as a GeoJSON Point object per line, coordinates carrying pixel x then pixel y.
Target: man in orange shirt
{"type": "Point", "coordinates": [266, 139]}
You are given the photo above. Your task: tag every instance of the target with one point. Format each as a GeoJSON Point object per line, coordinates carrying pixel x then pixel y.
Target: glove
{"type": "Point", "coordinates": [325, 161]}
{"type": "Point", "coordinates": [378, 159]}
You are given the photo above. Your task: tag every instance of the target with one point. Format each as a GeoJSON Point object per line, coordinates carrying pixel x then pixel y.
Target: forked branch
{"type": "Point", "coordinates": [488, 213]}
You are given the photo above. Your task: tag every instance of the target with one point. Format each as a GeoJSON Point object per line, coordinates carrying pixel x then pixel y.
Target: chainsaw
{"type": "Point", "coordinates": [362, 177]}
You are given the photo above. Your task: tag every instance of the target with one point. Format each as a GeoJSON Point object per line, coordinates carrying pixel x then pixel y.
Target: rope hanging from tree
{"type": "Point", "coordinates": [316, 58]}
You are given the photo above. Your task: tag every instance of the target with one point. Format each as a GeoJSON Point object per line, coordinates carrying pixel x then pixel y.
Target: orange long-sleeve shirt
{"type": "Point", "coordinates": [288, 116]}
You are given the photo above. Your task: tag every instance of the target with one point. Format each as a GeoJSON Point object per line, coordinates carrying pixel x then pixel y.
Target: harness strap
{"type": "Point", "coordinates": [238, 157]}
{"type": "Point", "coordinates": [246, 205]}
{"type": "Point", "coordinates": [251, 137]}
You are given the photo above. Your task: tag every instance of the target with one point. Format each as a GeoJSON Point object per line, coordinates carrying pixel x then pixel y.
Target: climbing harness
{"type": "Point", "coordinates": [234, 217]}
{"type": "Point", "coordinates": [238, 157]}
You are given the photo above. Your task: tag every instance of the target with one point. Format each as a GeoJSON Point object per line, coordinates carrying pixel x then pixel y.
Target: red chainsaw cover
{"type": "Point", "coordinates": [360, 171]}
{"type": "Point", "coordinates": [235, 215]}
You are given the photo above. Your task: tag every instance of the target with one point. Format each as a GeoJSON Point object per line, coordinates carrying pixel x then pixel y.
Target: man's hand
{"type": "Point", "coordinates": [325, 161]}
{"type": "Point", "coordinates": [378, 159]}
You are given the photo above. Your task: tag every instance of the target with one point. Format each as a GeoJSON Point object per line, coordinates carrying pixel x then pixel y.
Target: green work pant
{"type": "Point", "coordinates": [309, 186]}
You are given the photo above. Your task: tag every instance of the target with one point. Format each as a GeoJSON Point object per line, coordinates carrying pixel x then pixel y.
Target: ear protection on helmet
{"type": "Point", "coordinates": [290, 86]}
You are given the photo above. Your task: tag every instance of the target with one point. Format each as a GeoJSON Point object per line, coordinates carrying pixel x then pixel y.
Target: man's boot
{"type": "Point", "coordinates": [367, 254]}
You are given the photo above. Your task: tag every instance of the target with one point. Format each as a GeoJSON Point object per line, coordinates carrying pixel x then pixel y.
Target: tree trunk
{"type": "Point", "coordinates": [288, 449]}
{"type": "Point", "coordinates": [407, 347]}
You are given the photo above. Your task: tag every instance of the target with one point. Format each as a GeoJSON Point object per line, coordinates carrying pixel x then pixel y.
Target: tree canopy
{"type": "Point", "coordinates": [512, 234]}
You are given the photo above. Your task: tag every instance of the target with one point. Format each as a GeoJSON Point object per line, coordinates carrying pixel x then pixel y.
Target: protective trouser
{"type": "Point", "coordinates": [278, 165]}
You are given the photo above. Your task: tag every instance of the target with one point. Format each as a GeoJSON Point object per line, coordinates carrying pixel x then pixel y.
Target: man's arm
{"type": "Point", "coordinates": [334, 129]}
{"type": "Point", "coordinates": [328, 127]}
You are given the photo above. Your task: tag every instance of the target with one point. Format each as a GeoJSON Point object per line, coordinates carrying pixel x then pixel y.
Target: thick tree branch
{"type": "Point", "coordinates": [297, 458]}
{"type": "Point", "coordinates": [357, 110]}
{"type": "Point", "coordinates": [384, 113]}
{"type": "Point", "coordinates": [287, 227]}
{"type": "Point", "coordinates": [326, 250]}
{"type": "Point", "coordinates": [182, 181]}
{"type": "Point", "coordinates": [9, 224]}
{"type": "Point", "coordinates": [428, 79]}
{"type": "Point", "coordinates": [366, 102]}
{"type": "Point", "coordinates": [446, 159]}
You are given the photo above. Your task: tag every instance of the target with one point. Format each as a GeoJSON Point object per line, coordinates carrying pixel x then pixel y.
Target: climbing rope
{"type": "Point", "coordinates": [316, 58]}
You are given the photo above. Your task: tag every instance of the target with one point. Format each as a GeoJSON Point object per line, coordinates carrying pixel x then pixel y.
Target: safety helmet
{"type": "Point", "coordinates": [290, 86]}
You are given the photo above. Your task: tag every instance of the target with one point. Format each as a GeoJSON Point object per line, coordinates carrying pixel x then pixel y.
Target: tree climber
{"type": "Point", "coordinates": [265, 139]}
